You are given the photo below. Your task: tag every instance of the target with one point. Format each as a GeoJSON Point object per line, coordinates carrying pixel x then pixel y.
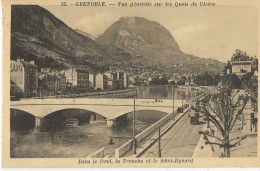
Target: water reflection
{"type": "Point", "coordinates": [165, 92]}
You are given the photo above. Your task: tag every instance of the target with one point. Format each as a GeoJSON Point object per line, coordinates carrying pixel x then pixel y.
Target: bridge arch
{"type": "Point", "coordinates": [42, 111]}
{"type": "Point", "coordinates": [108, 108]}
{"type": "Point", "coordinates": [115, 115]}
{"type": "Point", "coordinates": [13, 110]}
{"type": "Point", "coordinates": [80, 112]}
{"type": "Point", "coordinates": [120, 113]}
{"type": "Point", "coordinates": [21, 120]}
{"type": "Point", "coordinates": [69, 117]}
{"type": "Point", "coordinates": [145, 113]}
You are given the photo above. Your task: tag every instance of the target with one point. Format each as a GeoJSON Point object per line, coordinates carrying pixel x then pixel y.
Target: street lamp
{"type": "Point", "coordinates": [182, 97]}
{"type": "Point", "coordinates": [134, 143]}
{"type": "Point", "coordinates": [159, 144]}
{"type": "Point", "coordinates": [173, 103]}
{"type": "Point", "coordinates": [189, 90]}
{"type": "Point", "coordinates": [208, 126]}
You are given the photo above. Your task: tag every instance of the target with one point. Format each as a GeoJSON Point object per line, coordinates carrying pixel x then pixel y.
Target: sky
{"type": "Point", "coordinates": [208, 32]}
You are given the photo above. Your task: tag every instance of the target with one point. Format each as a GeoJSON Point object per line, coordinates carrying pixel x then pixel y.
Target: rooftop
{"type": "Point", "coordinates": [240, 58]}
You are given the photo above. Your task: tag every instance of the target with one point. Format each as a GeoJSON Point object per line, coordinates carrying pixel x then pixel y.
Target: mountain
{"type": "Point", "coordinates": [85, 34]}
{"type": "Point", "coordinates": [152, 44]}
{"type": "Point", "coordinates": [38, 35]}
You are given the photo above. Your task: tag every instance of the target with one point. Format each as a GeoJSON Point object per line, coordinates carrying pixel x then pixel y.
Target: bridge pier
{"type": "Point", "coordinates": [111, 123]}
{"type": "Point", "coordinates": [37, 121]}
{"type": "Point", "coordinates": [120, 121]}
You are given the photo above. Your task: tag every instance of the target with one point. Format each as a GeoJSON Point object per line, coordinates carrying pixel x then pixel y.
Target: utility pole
{"type": "Point", "coordinates": [134, 143]}
{"type": "Point", "coordinates": [159, 144]}
{"type": "Point", "coordinates": [173, 103]}
{"type": "Point", "coordinates": [208, 126]}
{"type": "Point", "coordinates": [182, 97]}
{"type": "Point", "coordinates": [113, 93]}
{"type": "Point", "coordinates": [189, 90]}
{"type": "Point", "coordinates": [243, 117]}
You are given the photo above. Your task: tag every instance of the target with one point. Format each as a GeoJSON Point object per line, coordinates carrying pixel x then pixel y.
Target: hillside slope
{"type": "Point", "coordinates": [38, 35]}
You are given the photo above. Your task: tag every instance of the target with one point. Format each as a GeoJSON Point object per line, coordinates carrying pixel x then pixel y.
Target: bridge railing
{"type": "Point", "coordinates": [114, 93]}
{"type": "Point", "coordinates": [119, 152]}
{"type": "Point", "coordinates": [98, 154]}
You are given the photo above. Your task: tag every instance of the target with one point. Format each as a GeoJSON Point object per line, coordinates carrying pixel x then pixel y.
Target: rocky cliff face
{"type": "Point", "coordinates": [38, 35]}
{"type": "Point", "coordinates": [140, 37]}
{"type": "Point", "coordinates": [149, 42]}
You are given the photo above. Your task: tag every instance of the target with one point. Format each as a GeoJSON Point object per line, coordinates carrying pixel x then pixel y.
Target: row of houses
{"type": "Point", "coordinates": [27, 80]}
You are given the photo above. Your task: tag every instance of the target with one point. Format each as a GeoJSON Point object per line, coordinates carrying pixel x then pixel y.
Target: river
{"type": "Point", "coordinates": [81, 141]}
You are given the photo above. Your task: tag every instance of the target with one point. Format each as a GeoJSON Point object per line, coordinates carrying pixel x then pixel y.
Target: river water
{"type": "Point", "coordinates": [81, 141]}
{"type": "Point", "coordinates": [165, 92]}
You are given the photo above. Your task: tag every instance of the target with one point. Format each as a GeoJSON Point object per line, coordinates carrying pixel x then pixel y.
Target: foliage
{"type": "Point", "coordinates": [240, 55]}
{"type": "Point", "coordinates": [182, 81]}
{"type": "Point", "coordinates": [206, 79]}
{"type": "Point", "coordinates": [172, 83]}
{"type": "Point", "coordinates": [255, 64]}
{"type": "Point", "coordinates": [250, 84]}
{"type": "Point", "coordinates": [232, 81]}
{"type": "Point", "coordinates": [223, 109]}
{"type": "Point", "coordinates": [159, 81]}
{"type": "Point", "coordinates": [138, 81]}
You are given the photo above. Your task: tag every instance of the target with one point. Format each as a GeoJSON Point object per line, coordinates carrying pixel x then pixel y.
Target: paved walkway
{"type": "Point", "coordinates": [150, 139]}
{"type": "Point", "coordinates": [180, 141]}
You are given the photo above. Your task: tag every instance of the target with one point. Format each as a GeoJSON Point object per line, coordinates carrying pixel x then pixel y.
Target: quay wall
{"type": "Point", "coordinates": [128, 145]}
{"type": "Point", "coordinates": [105, 94]}
{"type": "Point", "coordinates": [119, 152]}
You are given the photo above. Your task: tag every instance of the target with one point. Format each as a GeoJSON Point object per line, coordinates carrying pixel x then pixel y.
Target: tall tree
{"type": "Point", "coordinates": [232, 81]}
{"type": "Point", "coordinates": [223, 109]}
{"type": "Point", "coordinates": [239, 54]}
{"type": "Point", "coordinates": [250, 85]}
{"type": "Point", "coordinates": [204, 79]}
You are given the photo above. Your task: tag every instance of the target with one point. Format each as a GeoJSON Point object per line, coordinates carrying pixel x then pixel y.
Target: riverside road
{"type": "Point", "coordinates": [180, 141]}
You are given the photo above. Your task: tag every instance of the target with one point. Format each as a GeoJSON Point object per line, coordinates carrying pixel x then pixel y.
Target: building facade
{"type": "Point", "coordinates": [92, 80]}
{"type": "Point", "coordinates": [61, 84]}
{"type": "Point", "coordinates": [48, 85]}
{"type": "Point", "coordinates": [122, 80]}
{"type": "Point", "coordinates": [82, 80]}
{"type": "Point", "coordinates": [23, 78]}
{"type": "Point", "coordinates": [71, 76]}
{"type": "Point", "coordinates": [101, 81]}
{"type": "Point", "coordinates": [112, 83]}
{"type": "Point", "coordinates": [241, 66]}
{"type": "Point", "coordinates": [79, 79]}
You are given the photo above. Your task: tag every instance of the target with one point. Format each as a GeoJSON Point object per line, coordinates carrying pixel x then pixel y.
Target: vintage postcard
{"type": "Point", "coordinates": [124, 83]}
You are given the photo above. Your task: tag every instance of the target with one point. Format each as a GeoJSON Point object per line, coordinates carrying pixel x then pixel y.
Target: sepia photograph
{"type": "Point", "coordinates": [131, 82]}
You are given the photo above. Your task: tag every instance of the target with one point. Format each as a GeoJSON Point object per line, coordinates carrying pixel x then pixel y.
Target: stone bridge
{"type": "Point", "coordinates": [109, 108]}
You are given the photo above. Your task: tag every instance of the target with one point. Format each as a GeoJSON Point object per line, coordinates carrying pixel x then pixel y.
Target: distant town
{"type": "Point", "coordinates": [27, 80]}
